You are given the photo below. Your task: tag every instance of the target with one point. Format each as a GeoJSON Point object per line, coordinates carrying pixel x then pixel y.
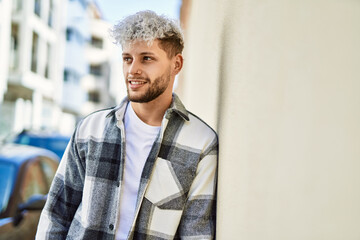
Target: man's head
{"type": "Point", "coordinates": [152, 47]}
{"type": "Point", "coordinates": [148, 26]}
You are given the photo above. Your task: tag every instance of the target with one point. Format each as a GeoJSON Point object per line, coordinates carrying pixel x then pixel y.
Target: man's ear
{"type": "Point", "coordinates": [178, 63]}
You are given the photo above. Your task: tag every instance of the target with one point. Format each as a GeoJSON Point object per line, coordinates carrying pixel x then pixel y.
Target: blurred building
{"type": "Point", "coordinates": [91, 72]}
{"type": "Point", "coordinates": [5, 28]}
{"type": "Point", "coordinates": [32, 68]}
{"type": "Point", "coordinates": [57, 64]}
{"type": "Point", "coordinates": [76, 65]}
{"type": "Point", "coordinates": [102, 84]}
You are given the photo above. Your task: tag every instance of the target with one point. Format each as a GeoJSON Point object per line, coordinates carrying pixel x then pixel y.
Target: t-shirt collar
{"type": "Point", "coordinates": [176, 106]}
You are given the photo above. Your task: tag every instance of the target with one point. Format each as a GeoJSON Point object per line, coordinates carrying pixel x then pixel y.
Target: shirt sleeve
{"type": "Point", "coordinates": [199, 216]}
{"type": "Point", "coordinates": [64, 196]}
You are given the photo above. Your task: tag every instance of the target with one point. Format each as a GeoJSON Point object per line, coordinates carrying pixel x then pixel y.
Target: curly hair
{"type": "Point", "coordinates": [148, 26]}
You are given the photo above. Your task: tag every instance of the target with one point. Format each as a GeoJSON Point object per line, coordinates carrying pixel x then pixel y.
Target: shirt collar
{"type": "Point", "coordinates": [176, 106]}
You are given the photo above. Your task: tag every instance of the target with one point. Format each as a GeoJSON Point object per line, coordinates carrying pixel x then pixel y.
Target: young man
{"type": "Point", "coordinates": [145, 169]}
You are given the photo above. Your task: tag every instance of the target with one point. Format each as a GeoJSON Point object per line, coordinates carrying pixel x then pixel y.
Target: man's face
{"type": "Point", "coordinates": [147, 71]}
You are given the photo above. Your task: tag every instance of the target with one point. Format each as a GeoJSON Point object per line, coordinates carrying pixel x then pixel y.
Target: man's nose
{"type": "Point", "coordinates": [135, 68]}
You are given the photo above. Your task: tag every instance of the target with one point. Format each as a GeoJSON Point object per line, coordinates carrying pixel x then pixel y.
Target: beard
{"type": "Point", "coordinates": [155, 89]}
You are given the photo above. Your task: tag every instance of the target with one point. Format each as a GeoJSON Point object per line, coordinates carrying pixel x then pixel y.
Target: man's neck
{"type": "Point", "coordinates": [152, 112]}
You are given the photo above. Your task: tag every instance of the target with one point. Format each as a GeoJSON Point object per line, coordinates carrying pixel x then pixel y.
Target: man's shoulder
{"type": "Point", "coordinates": [196, 133]}
{"type": "Point", "coordinates": [99, 114]}
{"type": "Point", "coordinates": [197, 122]}
{"type": "Point", "coordinates": [192, 121]}
{"type": "Point", "coordinates": [95, 122]}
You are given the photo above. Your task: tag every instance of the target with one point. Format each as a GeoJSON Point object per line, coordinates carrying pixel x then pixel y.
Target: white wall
{"type": "Point", "coordinates": [289, 112]}
{"type": "Point", "coordinates": [199, 82]}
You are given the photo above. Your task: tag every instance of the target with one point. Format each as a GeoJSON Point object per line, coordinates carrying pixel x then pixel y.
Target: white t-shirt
{"type": "Point", "coordinates": [139, 138]}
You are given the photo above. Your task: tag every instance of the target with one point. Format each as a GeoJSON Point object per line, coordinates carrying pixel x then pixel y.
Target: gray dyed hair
{"type": "Point", "coordinates": [148, 26]}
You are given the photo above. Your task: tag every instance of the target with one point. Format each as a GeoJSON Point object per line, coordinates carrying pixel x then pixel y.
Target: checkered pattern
{"type": "Point", "coordinates": [177, 193]}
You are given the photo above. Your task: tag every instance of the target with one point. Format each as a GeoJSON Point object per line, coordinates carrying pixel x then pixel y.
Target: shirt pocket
{"type": "Point", "coordinates": [169, 185]}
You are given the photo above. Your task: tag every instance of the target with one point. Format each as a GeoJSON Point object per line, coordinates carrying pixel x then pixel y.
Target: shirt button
{"type": "Point", "coordinates": [111, 227]}
{"type": "Point", "coordinates": [118, 184]}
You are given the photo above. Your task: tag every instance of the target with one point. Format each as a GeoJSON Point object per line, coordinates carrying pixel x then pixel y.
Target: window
{"type": "Point", "coordinates": [48, 59]}
{"type": "Point", "coordinates": [71, 76]}
{"type": "Point", "coordinates": [74, 35]}
{"type": "Point", "coordinates": [37, 7]}
{"type": "Point", "coordinates": [14, 48]}
{"type": "Point", "coordinates": [33, 182]}
{"type": "Point", "coordinates": [49, 168]}
{"type": "Point", "coordinates": [34, 52]}
{"type": "Point", "coordinates": [96, 42]}
{"type": "Point", "coordinates": [7, 172]}
{"type": "Point", "coordinates": [16, 5]}
{"type": "Point", "coordinates": [96, 70]}
{"type": "Point", "coordinates": [51, 13]}
{"type": "Point", "coordinates": [69, 34]}
{"type": "Point", "coordinates": [66, 75]}
{"type": "Point", "coordinates": [94, 96]}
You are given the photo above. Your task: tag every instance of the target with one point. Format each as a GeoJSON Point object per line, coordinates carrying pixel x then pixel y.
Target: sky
{"type": "Point", "coordinates": [115, 10]}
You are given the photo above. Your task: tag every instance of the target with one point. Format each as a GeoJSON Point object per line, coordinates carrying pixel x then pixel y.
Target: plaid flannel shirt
{"type": "Point", "coordinates": [177, 194]}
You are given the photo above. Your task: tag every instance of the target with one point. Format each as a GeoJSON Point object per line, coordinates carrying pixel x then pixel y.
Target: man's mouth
{"type": "Point", "coordinates": [136, 83]}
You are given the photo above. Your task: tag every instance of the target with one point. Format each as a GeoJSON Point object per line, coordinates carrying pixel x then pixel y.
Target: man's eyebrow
{"type": "Point", "coordinates": [147, 53]}
{"type": "Point", "coordinates": [142, 53]}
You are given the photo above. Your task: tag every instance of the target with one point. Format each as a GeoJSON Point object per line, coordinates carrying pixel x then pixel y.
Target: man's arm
{"type": "Point", "coordinates": [64, 196]}
{"type": "Point", "coordinates": [199, 216]}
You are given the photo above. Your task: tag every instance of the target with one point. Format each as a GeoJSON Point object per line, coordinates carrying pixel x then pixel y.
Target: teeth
{"type": "Point", "coordinates": [136, 83]}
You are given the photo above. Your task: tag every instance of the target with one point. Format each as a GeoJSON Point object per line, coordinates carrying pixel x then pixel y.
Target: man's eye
{"type": "Point", "coordinates": [147, 58]}
{"type": "Point", "coordinates": [127, 59]}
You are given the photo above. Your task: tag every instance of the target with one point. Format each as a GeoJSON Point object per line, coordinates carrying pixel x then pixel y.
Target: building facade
{"type": "Point", "coordinates": [103, 85]}
{"type": "Point", "coordinates": [91, 73]}
{"type": "Point", "coordinates": [34, 65]}
{"type": "Point", "coordinates": [57, 64]}
{"type": "Point", "coordinates": [76, 65]}
{"type": "Point", "coordinates": [5, 29]}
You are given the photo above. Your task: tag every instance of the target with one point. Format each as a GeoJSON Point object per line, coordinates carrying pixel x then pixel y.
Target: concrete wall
{"type": "Point", "coordinates": [280, 82]}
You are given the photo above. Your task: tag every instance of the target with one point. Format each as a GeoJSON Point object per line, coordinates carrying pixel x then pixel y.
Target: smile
{"type": "Point", "coordinates": [134, 82]}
